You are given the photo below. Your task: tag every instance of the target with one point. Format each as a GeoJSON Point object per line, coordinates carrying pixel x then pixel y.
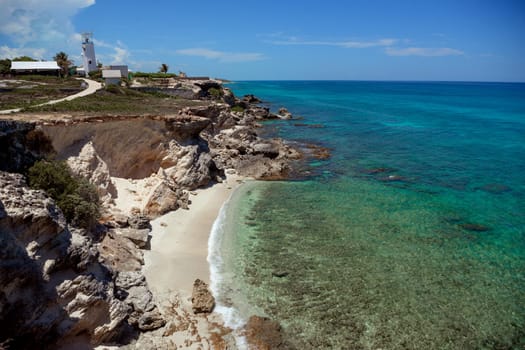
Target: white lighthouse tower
{"type": "Point", "coordinates": [88, 53]}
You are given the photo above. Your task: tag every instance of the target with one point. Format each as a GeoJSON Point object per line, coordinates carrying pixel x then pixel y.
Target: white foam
{"type": "Point", "coordinates": [231, 316]}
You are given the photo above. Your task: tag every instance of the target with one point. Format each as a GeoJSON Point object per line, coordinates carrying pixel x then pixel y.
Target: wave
{"type": "Point", "coordinates": [220, 279]}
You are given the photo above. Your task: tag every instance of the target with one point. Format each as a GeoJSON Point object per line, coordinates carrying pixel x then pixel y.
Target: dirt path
{"type": "Point", "coordinates": [91, 88]}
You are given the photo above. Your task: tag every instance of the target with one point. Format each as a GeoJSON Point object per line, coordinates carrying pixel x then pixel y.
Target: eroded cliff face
{"type": "Point", "coordinates": [170, 155]}
{"type": "Point", "coordinates": [60, 286]}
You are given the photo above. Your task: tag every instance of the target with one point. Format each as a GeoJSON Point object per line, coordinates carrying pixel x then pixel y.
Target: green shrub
{"type": "Point", "coordinates": [153, 75]}
{"type": "Point", "coordinates": [76, 197]}
{"type": "Point", "coordinates": [237, 109]}
{"type": "Point", "coordinates": [114, 89]}
{"type": "Point", "coordinates": [95, 75]}
{"type": "Point", "coordinates": [215, 93]}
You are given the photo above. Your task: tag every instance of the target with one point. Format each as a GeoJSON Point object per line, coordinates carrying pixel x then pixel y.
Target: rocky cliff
{"type": "Point", "coordinates": [56, 292]}
{"type": "Point", "coordinates": [65, 287]}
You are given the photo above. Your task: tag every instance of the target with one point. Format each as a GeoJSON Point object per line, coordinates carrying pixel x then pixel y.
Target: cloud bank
{"type": "Point", "coordinates": [32, 25]}
{"type": "Point", "coordinates": [423, 51]}
{"type": "Point", "coordinates": [221, 56]}
{"type": "Point", "coordinates": [344, 44]}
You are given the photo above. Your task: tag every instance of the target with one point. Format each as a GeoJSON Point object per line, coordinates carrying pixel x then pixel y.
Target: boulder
{"type": "Point", "coordinates": [139, 222]}
{"type": "Point", "coordinates": [164, 198]}
{"type": "Point", "coordinates": [251, 99]}
{"type": "Point", "coordinates": [228, 97]}
{"type": "Point", "coordinates": [151, 320]}
{"type": "Point", "coordinates": [268, 149]}
{"type": "Point", "coordinates": [283, 113]}
{"type": "Point", "coordinates": [201, 298]}
{"type": "Point", "coordinates": [120, 253]}
{"type": "Point", "coordinates": [89, 165]}
{"type": "Point", "coordinates": [137, 236]}
{"type": "Point", "coordinates": [195, 168]}
{"type": "Point", "coordinates": [186, 126]}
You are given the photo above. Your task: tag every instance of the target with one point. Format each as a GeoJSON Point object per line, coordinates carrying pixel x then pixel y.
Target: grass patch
{"type": "Point", "coordinates": [154, 75]}
{"type": "Point", "coordinates": [28, 90]}
{"type": "Point", "coordinates": [122, 101]}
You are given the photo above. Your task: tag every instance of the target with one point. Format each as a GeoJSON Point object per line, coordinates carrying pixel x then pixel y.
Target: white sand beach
{"type": "Point", "coordinates": [179, 244]}
{"type": "Point", "coordinates": [177, 257]}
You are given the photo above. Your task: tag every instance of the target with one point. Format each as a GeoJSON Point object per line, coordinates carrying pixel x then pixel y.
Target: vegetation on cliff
{"type": "Point", "coordinates": [28, 90]}
{"type": "Point", "coordinates": [121, 101]}
{"type": "Point", "coordinates": [76, 197]}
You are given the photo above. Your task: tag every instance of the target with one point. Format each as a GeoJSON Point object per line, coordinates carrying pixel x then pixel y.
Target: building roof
{"type": "Point", "coordinates": [111, 73]}
{"type": "Point", "coordinates": [38, 65]}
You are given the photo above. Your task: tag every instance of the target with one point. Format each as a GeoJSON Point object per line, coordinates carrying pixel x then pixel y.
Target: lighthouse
{"type": "Point", "coordinates": [88, 53]}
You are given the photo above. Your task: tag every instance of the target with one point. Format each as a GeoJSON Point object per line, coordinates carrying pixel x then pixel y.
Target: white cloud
{"type": "Point", "coordinates": [423, 51]}
{"type": "Point", "coordinates": [39, 23]}
{"type": "Point", "coordinates": [349, 44]}
{"type": "Point", "coordinates": [221, 56]}
{"type": "Point", "coordinates": [120, 56]}
{"type": "Point", "coordinates": [12, 52]}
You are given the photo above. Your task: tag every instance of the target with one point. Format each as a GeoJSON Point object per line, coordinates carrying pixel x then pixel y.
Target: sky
{"type": "Point", "coordinates": [438, 40]}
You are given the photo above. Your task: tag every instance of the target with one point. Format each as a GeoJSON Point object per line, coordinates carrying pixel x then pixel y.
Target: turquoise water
{"type": "Point", "coordinates": [412, 236]}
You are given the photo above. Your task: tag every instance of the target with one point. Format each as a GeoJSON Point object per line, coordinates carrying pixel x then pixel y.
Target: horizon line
{"type": "Point", "coordinates": [382, 80]}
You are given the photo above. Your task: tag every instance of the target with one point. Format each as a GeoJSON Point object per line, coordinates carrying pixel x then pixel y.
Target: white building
{"type": "Point", "coordinates": [111, 76]}
{"type": "Point", "coordinates": [124, 71]}
{"type": "Point", "coordinates": [88, 53]}
{"type": "Point", "coordinates": [34, 67]}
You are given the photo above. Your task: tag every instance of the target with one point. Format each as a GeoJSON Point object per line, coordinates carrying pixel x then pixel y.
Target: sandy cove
{"type": "Point", "coordinates": [179, 244]}
{"type": "Point", "coordinates": [177, 257]}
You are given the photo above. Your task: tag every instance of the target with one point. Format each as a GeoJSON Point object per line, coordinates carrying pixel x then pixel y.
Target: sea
{"type": "Point", "coordinates": [410, 236]}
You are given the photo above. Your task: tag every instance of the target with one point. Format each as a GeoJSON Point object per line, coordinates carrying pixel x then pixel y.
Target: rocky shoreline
{"type": "Point", "coordinates": [65, 287]}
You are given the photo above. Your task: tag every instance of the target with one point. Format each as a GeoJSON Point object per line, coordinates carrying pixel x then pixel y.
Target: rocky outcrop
{"type": "Point", "coordinates": [201, 298]}
{"type": "Point", "coordinates": [240, 148]}
{"type": "Point", "coordinates": [52, 284]}
{"type": "Point", "coordinates": [284, 113]}
{"type": "Point", "coordinates": [165, 197]}
{"type": "Point", "coordinates": [169, 147]}
{"type": "Point", "coordinates": [191, 89]}
{"type": "Point", "coordinates": [89, 165]}
{"type": "Point", "coordinates": [55, 290]}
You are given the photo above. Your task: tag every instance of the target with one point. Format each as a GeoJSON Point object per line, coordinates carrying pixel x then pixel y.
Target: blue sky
{"type": "Point", "coordinates": [468, 40]}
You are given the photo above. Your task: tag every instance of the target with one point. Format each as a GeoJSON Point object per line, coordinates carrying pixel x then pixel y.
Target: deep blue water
{"type": "Point", "coordinates": [412, 235]}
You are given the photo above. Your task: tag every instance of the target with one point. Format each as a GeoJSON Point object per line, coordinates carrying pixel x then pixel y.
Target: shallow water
{"type": "Point", "coordinates": [410, 236]}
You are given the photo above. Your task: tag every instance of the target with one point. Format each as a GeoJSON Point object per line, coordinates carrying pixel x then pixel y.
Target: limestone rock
{"type": "Point", "coordinates": [89, 165]}
{"type": "Point", "coordinates": [186, 126]}
{"type": "Point", "coordinates": [228, 97]}
{"type": "Point", "coordinates": [201, 298]}
{"type": "Point", "coordinates": [53, 287]}
{"type": "Point", "coordinates": [139, 222]}
{"type": "Point", "coordinates": [137, 236]}
{"type": "Point", "coordinates": [195, 168]}
{"type": "Point", "coordinates": [268, 149]}
{"type": "Point", "coordinates": [120, 253]}
{"type": "Point", "coordinates": [132, 289]}
{"type": "Point", "coordinates": [151, 320]}
{"type": "Point", "coordinates": [163, 199]}
{"type": "Point", "coordinates": [128, 279]}
{"type": "Point", "coordinates": [81, 252]}
{"type": "Point", "coordinates": [284, 113]}
{"type": "Point", "coordinates": [251, 99]}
